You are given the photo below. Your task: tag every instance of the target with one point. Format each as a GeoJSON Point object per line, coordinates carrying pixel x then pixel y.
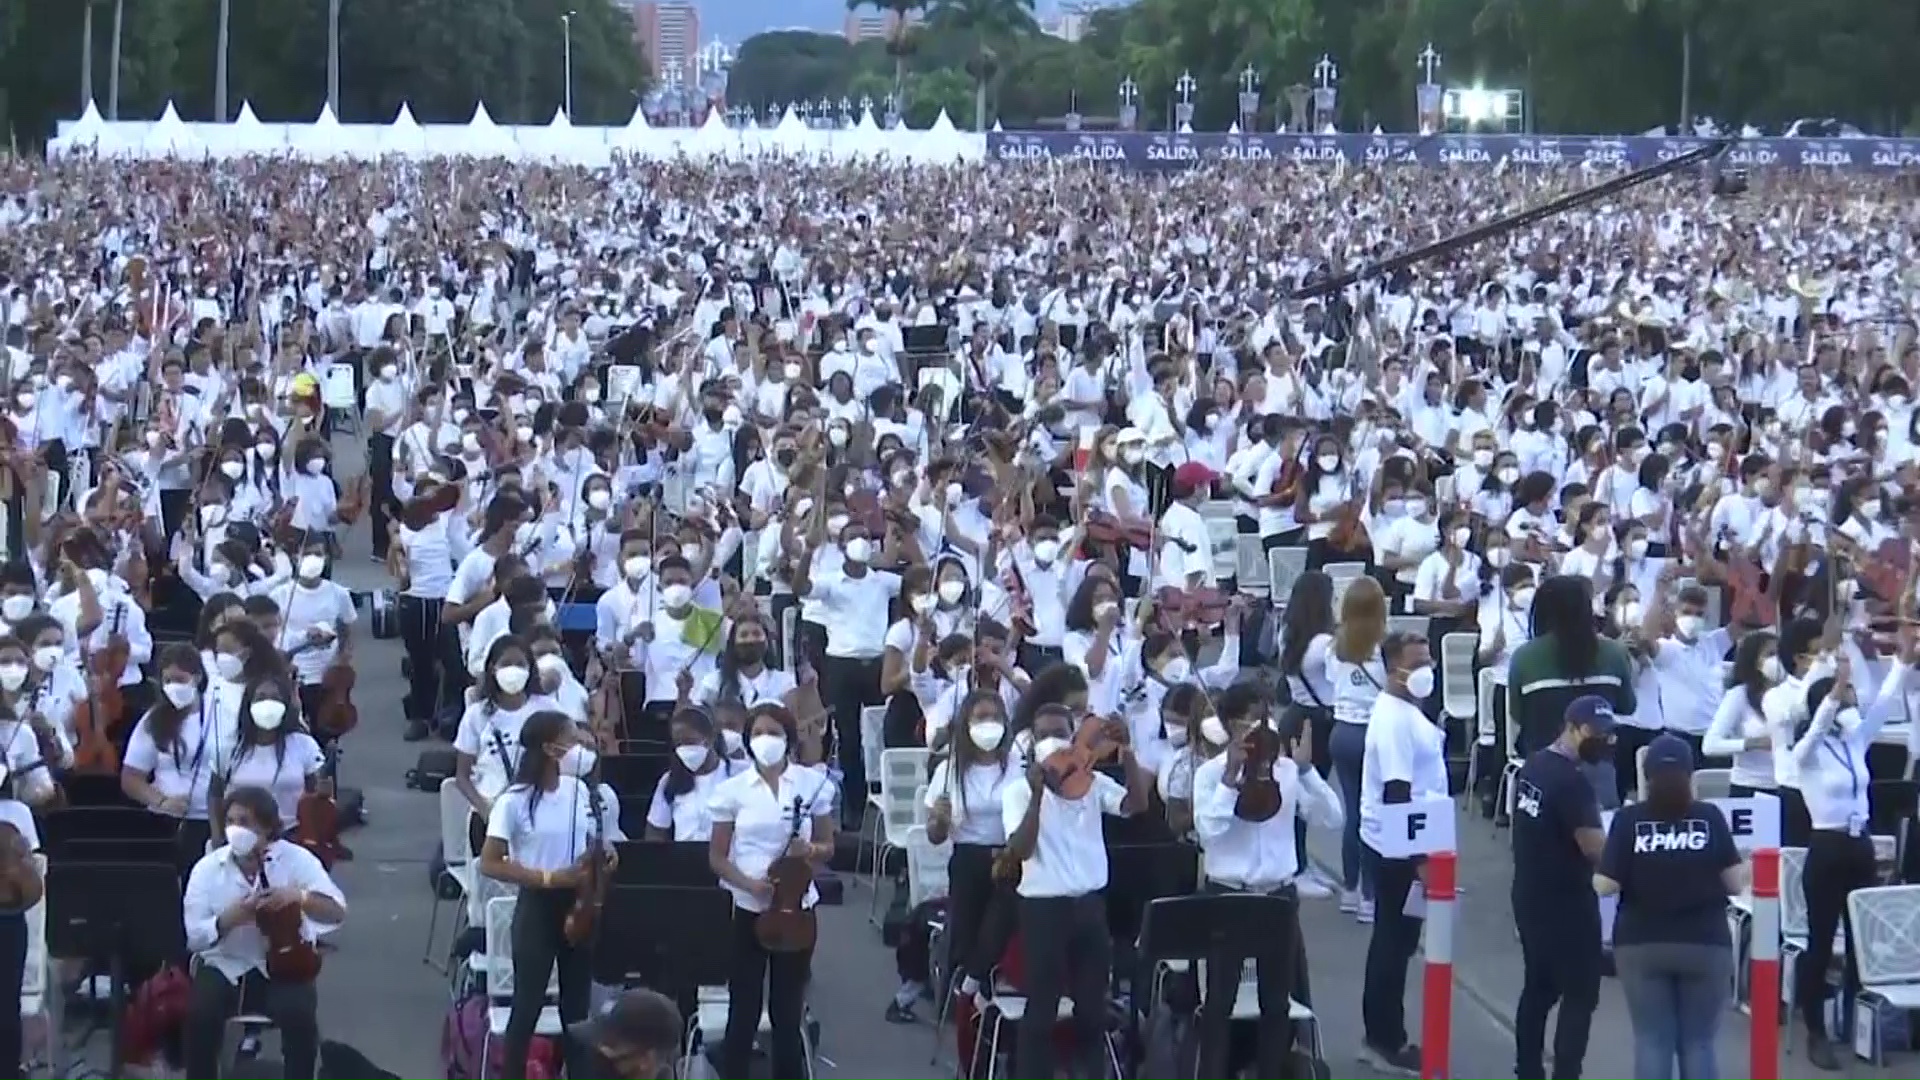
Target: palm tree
{"type": "Point", "coordinates": [86, 54]}
{"type": "Point", "coordinates": [988, 25]}
{"type": "Point", "coordinates": [333, 57]}
{"type": "Point", "coordinates": [220, 63]}
{"type": "Point", "coordinates": [1686, 13]}
{"type": "Point", "coordinates": [900, 43]}
{"type": "Point", "coordinates": [113, 73]}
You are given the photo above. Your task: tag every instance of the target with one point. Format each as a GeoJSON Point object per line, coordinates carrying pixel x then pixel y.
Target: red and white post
{"type": "Point", "coordinates": [1763, 987]}
{"type": "Point", "coordinates": [1436, 989]}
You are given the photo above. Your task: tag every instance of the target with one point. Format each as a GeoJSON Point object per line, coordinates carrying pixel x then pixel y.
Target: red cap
{"type": "Point", "coordinates": [1193, 476]}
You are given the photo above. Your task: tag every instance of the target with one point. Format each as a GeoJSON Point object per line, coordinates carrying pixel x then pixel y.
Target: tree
{"type": "Point", "coordinates": [989, 27]}
{"type": "Point", "coordinates": [900, 34]}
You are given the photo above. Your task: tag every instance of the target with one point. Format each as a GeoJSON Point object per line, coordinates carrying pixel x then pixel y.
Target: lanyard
{"type": "Point", "coordinates": [1843, 753]}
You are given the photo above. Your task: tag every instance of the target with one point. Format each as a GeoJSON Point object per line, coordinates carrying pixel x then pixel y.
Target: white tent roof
{"type": "Point", "coordinates": [866, 122]}
{"type": "Point", "coordinates": [88, 133]}
{"type": "Point", "coordinates": [246, 135]}
{"type": "Point", "coordinates": [560, 121]}
{"type": "Point", "coordinates": [404, 136]}
{"type": "Point", "coordinates": [790, 122]}
{"type": "Point", "coordinates": [169, 137]}
{"type": "Point", "coordinates": [639, 119]}
{"type": "Point", "coordinates": [942, 124]}
{"type": "Point", "coordinates": [484, 138]}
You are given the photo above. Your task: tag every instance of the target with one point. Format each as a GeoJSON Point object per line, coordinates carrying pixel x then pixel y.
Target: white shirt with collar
{"type": "Point", "coordinates": [117, 611]}
{"type": "Point", "coordinates": [1187, 550]}
{"type": "Point", "coordinates": [545, 830]}
{"type": "Point", "coordinates": [1402, 745]}
{"type": "Point", "coordinates": [1070, 851]}
{"type": "Point", "coordinates": [762, 816]}
{"type": "Point", "coordinates": [1830, 759]}
{"type": "Point", "coordinates": [855, 610]}
{"type": "Point", "coordinates": [218, 882]}
{"type": "Point", "coordinates": [688, 817]}
{"type": "Point", "coordinates": [1783, 707]}
{"type": "Point", "coordinates": [389, 398]}
{"type": "Point", "coordinates": [1258, 856]}
{"type": "Point", "coordinates": [975, 802]}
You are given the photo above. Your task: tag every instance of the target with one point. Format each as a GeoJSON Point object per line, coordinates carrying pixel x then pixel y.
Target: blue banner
{"type": "Point", "coordinates": [1159, 150]}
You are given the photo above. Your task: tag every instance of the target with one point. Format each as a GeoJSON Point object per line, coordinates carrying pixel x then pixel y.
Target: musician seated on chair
{"type": "Point", "coordinates": [542, 836]}
{"type": "Point", "coordinates": [255, 870]}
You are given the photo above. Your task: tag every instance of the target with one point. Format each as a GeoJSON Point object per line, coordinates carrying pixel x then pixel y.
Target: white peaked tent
{"type": "Point", "coordinates": [552, 141]}
{"type": "Point", "coordinates": [866, 122]}
{"type": "Point", "coordinates": [1233, 128]}
{"type": "Point", "coordinates": [169, 137]}
{"type": "Point", "coordinates": [638, 137]}
{"type": "Point", "coordinates": [997, 128]}
{"type": "Point", "coordinates": [89, 133]}
{"type": "Point", "coordinates": [1186, 129]}
{"type": "Point", "coordinates": [942, 125]}
{"type": "Point", "coordinates": [483, 138]}
{"type": "Point", "coordinates": [404, 136]}
{"type": "Point", "coordinates": [714, 139]}
{"type": "Point", "coordinates": [324, 138]}
{"type": "Point", "coordinates": [246, 135]}
{"type": "Point", "coordinates": [790, 135]}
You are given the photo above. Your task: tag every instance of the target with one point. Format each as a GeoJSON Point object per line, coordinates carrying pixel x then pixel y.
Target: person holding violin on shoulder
{"type": "Point", "coordinates": [964, 799]}
{"type": "Point", "coordinates": [41, 703]}
{"type": "Point", "coordinates": [21, 888]}
{"type": "Point", "coordinates": [1055, 837]}
{"type": "Point", "coordinates": [680, 810]}
{"type": "Point", "coordinates": [273, 752]}
{"type": "Point", "coordinates": [255, 874]}
{"type": "Point", "coordinates": [769, 823]}
{"type": "Point", "coordinates": [543, 835]}
{"type": "Point", "coordinates": [432, 539]}
{"type": "Point", "coordinates": [112, 618]}
{"type": "Point", "coordinates": [1245, 806]}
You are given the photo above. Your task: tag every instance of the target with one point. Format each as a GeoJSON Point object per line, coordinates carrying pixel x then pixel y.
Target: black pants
{"type": "Point", "coordinates": [1035, 659]}
{"type": "Point", "coordinates": [1561, 962]}
{"type": "Point", "coordinates": [776, 982]}
{"type": "Point", "coordinates": [539, 944]}
{"type": "Point", "coordinates": [385, 506]}
{"type": "Point", "coordinates": [13, 968]}
{"type": "Point", "coordinates": [980, 912]}
{"type": "Point", "coordinates": [424, 638]}
{"type": "Point", "coordinates": [1067, 951]}
{"type": "Point", "coordinates": [293, 1007]}
{"type": "Point", "coordinates": [850, 685]}
{"type": "Point", "coordinates": [1277, 982]}
{"type": "Point", "coordinates": [1396, 937]}
{"type": "Point", "coordinates": [1837, 864]}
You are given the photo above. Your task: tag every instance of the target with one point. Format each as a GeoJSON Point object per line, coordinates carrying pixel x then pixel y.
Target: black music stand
{"type": "Point", "coordinates": [103, 823]}
{"type": "Point", "coordinates": [84, 791]}
{"type": "Point", "coordinates": [1226, 928]}
{"type": "Point", "coordinates": [663, 865]}
{"type": "Point", "coordinates": [673, 938]}
{"type": "Point", "coordinates": [116, 915]}
{"type": "Point", "coordinates": [1138, 874]}
{"type": "Point", "coordinates": [634, 777]}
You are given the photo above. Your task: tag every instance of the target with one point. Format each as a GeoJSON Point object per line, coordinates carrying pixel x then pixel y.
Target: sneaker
{"type": "Point", "coordinates": [1365, 913]}
{"type": "Point", "coordinates": [1402, 1062]}
{"type": "Point", "coordinates": [417, 731]}
{"type": "Point", "coordinates": [1349, 901]}
{"type": "Point", "coordinates": [901, 1014]}
{"type": "Point", "coordinates": [1312, 888]}
{"type": "Point", "coordinates": [1821, 1054]}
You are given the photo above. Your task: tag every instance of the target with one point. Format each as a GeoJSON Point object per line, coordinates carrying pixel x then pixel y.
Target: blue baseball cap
{"type": "Point", "coordinates": [1591, 711]}
{"type": "Point", "coordinates": [1668, 753]}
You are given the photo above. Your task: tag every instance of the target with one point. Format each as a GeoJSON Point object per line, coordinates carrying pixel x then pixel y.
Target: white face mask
{"type": "Point", "coordinates": [837, 436]}
{"type": "Point", "coordinates": [1104, 609]}
{"type": "Point", "coordinates": [1133, 455]}
{"type": "Point", "coordinates": [1498, 557]}
{"type": "Point", "coordinates": [599, 498]}
{"type": "Point", "coordinates": [388, 373]}
{"type": "Point", "coordinates": [792, 371]}
{"type": "Point", "coordinates": [769, 750]}
{"type": "Point", "coordinates": [636, 566]}
{"type": "Point", "coordinates": [267, 715]}
{"type": "Point", "coordinates": [311, 566]}
{"type": "Point", "coordinates": [1046, 748]}
{"type": "Point", "coordinates": [16, 607]}
{"type": "Point", "coordinates": [242, 840]}
{"type": "Point", "coordinates": [694, 757]}
{"type": "Point", "coordinates": [1637, 548]}
{"type": "Point", "coordinates": [577, 761]}
{"type": "Point", "coordinates": [1772, 669]}
{"type": "Point", "coordinates": [731, 741]}
{"type": "Point", "coordinates": [859, 550]}
{"type": "Point", "coordinates": [1482, 458]}
{"type": "Point", "coordinates": [1046, 551]}
{"type": "Point", "coordinates": [835, 524]}
{"type": "Point", "coordinates": [228, 666]}
{"type": "Point", "coordinates": [511, 679]}
{"type": "Point", "coordinates": [1420, 682]}
{"type": "Point", "coordinates": [951, 591]}
{"type": "Point", "coordinates": [1176, 669]}
{"type": "Point", "coordinates": [12, 677]}
{"type": "Point", "coordinates": [180, 694]}
{"type": "Point", "coordinates": [1689, 626]}
{"type": "Point", "coordinates": [1175, 732]}
{"type": "Point", "coordinates": [316, 466]}
{"type": "Point", "coordinates": [986, 734]}
{"type": "Point", "coordinates": [1461, 536]}
{"type": "Point", "coordinates": [1631, 613]}
{"type": "Point", "coordinates": [46, 656]}
{"type": "Point", "coordinates": [232, 470]}
{"type": "Point", "coordinates": [1214, 730]}
{"type": "Point", "coordinates": [1870, 509]}
{"type": "Point", "coordinates": [1509, 475]}
{"type": "Point", "coordinates": [1328, 462]}
{"type": "Point", "coordinates": [924, 604]}
{"type": "Point", "coordinates": [1523, 597]}
{"type": "Point", "coordinates": [550, 666]}
{"type": "Point", "coordinates": [470, 443]}
{"type": "Point", "coordinates": [676, 596]}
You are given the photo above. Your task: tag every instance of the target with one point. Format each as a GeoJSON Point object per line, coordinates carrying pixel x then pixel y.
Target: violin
{"type": "Point", "coordinates": [318, 815]}
{"type": "Point", "coordinates": [421, 510]}
{"type": "Point", "coordinates": [1181, 609]}
{"type": "Point", "coordinates": [1886, 569]}
{"type": "Point", "coordinates": [1752, 605]}
{"type": "Point", "coordinates": [1069, 772]}
{"type": "Point", "coordinates": [358, 497]}
{"type": "Point", "coordinates": [607, 711]}
{"type": "Point", "coordinates": [591, 896]}
{"type": "Point", "coordinates": [291, 958]}
{"type": "Point", "coordinates": [336, 714]}
{"type": "Point", "coordinates": [1259, 798]}
{"type": "Point", "coordinates": [787, 926]}
{"type": "Point", "coordinates": [280, 525]}
{"type": "Point", "coordinates": [1349, 532]}
{"type": "Point", "coordinates": [1104, 528]}
{"type": "Point", "coordinates": [94, 718]}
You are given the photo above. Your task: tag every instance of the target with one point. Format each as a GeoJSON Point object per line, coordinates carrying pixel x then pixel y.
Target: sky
{"type": "Point", "coordinates": [737, 20]}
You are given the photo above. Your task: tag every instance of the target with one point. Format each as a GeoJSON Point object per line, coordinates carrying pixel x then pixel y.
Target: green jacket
{"type": "Point", "coordinates": [1539, 689]}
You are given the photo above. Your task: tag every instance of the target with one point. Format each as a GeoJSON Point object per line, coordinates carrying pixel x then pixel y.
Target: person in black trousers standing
{"type": "Point", "coordinates": [386, 418]}
{"type": "Point", "coordinates": [1061, 849]}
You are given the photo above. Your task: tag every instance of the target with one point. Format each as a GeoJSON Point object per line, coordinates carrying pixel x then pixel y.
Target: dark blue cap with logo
{"type": "Point", "coordinates": [1669, 753]}
{"type": "Point", "coordinates": [1591, 711]}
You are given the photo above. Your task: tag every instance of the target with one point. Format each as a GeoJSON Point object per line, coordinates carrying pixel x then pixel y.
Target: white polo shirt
{"type": "Point", "coordinates": [1402, 744]}
{"type": "Point", "coordinates": [763, 825]}
{"type": "Point", "coordinates": [1070, 853]}
{"type": "Point", "coordinates": [855, 612]}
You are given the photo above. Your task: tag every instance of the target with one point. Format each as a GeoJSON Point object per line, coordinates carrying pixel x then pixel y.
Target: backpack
{"type": "Point", "coordinates": [464, 1033]}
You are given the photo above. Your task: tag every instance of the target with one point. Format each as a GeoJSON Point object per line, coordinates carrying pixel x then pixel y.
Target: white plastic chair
{"type": "Point", "coordinates": [902, 772]}
{"type": "Point", "coordinates": [1284, 567]}
{"type": "Point", "coordinates": [790, 639]}
{"type": "Point", "coordinates": [499, 929]}
{"type": "Point", "coordinates": [873, 743]}
{"type": "Point", "coordinates": [998, 1011]}
{"type": "Point", "coordinates": [1408, 624]}
{"type": "Point", "coordinates": [1346, 570]}
{"type": "Point", "coordinates": [1485, 687]}
{"type": "Point", "coordinates": [712, 1006]}
{"type": "Point", "coordinates": [1886, 920]}
{"type": "Point", "coordinates": [1514, 761]}
{"type": "Point", "coordinates": [1250, 565]}
{"type": "Point", "coordinates": [1443, 490]}
{"type": "Point", "coordinates": [33, 978]}
{"type": "Point", "coordinates": [1712, 783]}
{"type": "Point", "coordinates": [456, 851]}
{"type": "Point", "coordinates": [1458, 697]}
{"type": "Point", "coordinates": [1223, 537]}
{"type": "Point", "coordinates": [926, 867]}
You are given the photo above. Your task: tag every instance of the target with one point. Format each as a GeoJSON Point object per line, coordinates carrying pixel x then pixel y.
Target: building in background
{"type": "Point", "coordinates": [1071, 23]}
{"type": "Point", "coordinates": [668, 31]}
{"type": "Point", "coordinates": [866, 24]}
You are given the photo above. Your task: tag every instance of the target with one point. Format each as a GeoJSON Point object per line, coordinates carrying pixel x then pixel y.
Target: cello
{"type": "Point", "coordinates": [788, 926]}
{"type": "Point", "coordinates": [317, 816]}
{"type": "Point", "coordinates": [291, 958]}
{"type": "Point", "coordinates": [94, 719]}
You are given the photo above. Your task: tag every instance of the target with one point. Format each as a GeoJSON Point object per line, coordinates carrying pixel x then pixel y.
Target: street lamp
{"type": "Point", "coordinates": [1249, 97]}
{"type": "Point", "coordinates": [566, 36]}
{"type": "Point", "coordinates": [1129, 103]}
{"type": "Point", "coordinates": [1426, 96]}
{"type": "Point", "coordinates": [1183, 113]}
{"type": "Point", "coordinates": [1326, 75]}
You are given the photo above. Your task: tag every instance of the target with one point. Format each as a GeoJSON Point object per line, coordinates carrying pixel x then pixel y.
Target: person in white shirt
{"type": "Point", "coordinates": [173, 752]}
{"type": "Point", "coordinates": [1186, 549]}
{"type": "Point", "coordinates": [21, 889]}
{"type": "Point", "coordinates": [545, 835]}
{"type": "Point", "coordinates": [740, 678]}
{"type": "Point", "coordinates": [254, 872]}
{"type": "Point", "coordinates": [386, 418]}
{"type": "Point", "coordinates": [271, 752]}
{"type": "Point", "coordinates": [1246, 855]}
{"type": "Point", "coordinates": [681, 810]}
{"type": "Point", "coordinates": [1405, 761]}
{"type": "Point", "coordinates": [775, 809]}
{"type": "Point", "coordinates": [487, 745]}
{"type": "Point", "coordinates": [1059, 844]}
{"type": "Point", "coordinates": [1358, 673]}
{"type": "Point", "coordinates": [432, 541]}
{"type": "Point", "coordinates": [1804, 655]}
{"type": "Point", "coordinates": [316, 629]}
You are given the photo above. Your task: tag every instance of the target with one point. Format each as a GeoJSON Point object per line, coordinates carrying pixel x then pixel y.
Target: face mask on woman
{"type": "Point", "coordinates": [577, 761]}
{"type": "Point", "coordinates": [769, 750]}
{"type": "Point", "coordinates": [987, 734]}
{"type": "Point", "coordinates": [511, 678]}
{"type": "Point", "coordinates": [267, 715]}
